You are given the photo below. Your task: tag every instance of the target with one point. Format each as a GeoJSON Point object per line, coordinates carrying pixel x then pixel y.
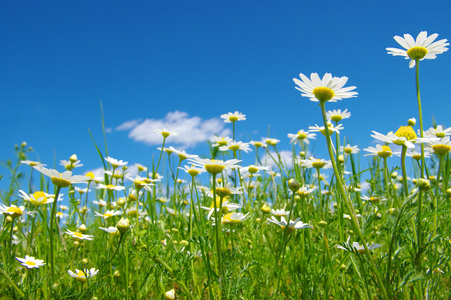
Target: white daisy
{"type": "Point", "coordinates": [62, 180]}
{"type": "Point", "coordinates": [381, 151]}
{"type": "Point", "coordinates": [32, 163]}
{"type": "Point", "coordinates": [232, 118]}
{"type": "Point", "coordinates": [214, 166]}
{"type": "Point", "coordinates": [302, 135]}
{"type": "Point", "coordinates": [419, 49]}
{"type": "Point", "coordinates": [337, 115]}
{"type": "Point", "coordinates": [322, 129]}
{"type": "Point", "coordinates": [37, 198]}
{"type": "Point", "coordinates": [315, 163]}
{"type": "Point", "coordinates": [165, 132]}
{"type": "Point", "coordinates": [235, 146]}
{"type": "Point", "coordinates": [110, 187]}
{"type": "Point", "coordinates": [234, 218]}
{"type": "Point", "coordinates": [30, 262]}
{"type": "Point", "coordinates": [116, 163]}
{"type": "Point", "coordinates": [108, 213]}
{"type": "Point", "coordinates": [293, 225]}
{"type": "Point", "coordinates": [326, 89]}
{"type": "Point", "coordinates": [83, 275]}
{"type": "Point", "coordinates": [79, 235]}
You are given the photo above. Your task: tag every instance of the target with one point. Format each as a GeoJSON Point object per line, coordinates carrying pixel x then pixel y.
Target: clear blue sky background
{"type": "Point", "coordinates": [144, 59]}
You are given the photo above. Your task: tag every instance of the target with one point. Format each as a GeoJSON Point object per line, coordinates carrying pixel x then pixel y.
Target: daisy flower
{"type": "Point", "coordinates": [279, 212]}
{"type": "Point", "coordinates": [271, 142]}
{"type": "Point", "coordinates": [252, 169]}
{"type": "Point", "coordinates": [235, 146]}
{"type": "Point", "coordinates": [100, 203]}
{"type": "Point", "coordinates": [110, 187]}
{"type": "Point", "coordinates": [337, 115]}
{"type": "Point", "coordinates": [165, 133]}
{"type": "Point", "coordinates": [79, 235]}
{"type": "Point", "coordinates": [192, 170]}
{"type": "Point", "coordinates": [326, 89]}
{"type": "Point", "coordinates": [441, 147]}
{"type": "Point", "coordinates": [62, 180]}
{"type": "Point", "coordinates": [257, 144]}
{"type": "Point", "coordinates": [293, 225]}
{"type": "Point", "coordinates": [170, 294]}
{"type": "Point", "coordinates": [232, 118]}
{"type": "Point", "coordinates": [348, 149]}
{"type": "Point", "coordinates": [83, 275]}
{"type": "Point", "coordinates": [37, 198]}
{"type": "Point", "coordinates": [182, 154]}
{"type": "Point", "coordinates": [116, 163]}
{"type": "Point", "coordinates": [111, 229]}
{"type": "Point", "coordinates": [69, 164]}
{"type": "Point", "coordinates": [32, 163]}
{"type": "Point", "coordinates": [108, 213]}
{"type": "Point", "coordinates": [234, 218]}
{"type": "Point", "coordinates": [305, 190]}
{"type": "Point", "coordinates": [439, 131]}
{"type": "Point", "coordinates": [30, 262]}
{"type": "Point", "coordinates": [226, 207]}
{"type": "Point", "coordinates": [218, 141]}
{"type": "Point", "coordinates": [381, 151]}
{"type": "Point", "coordinates": [214, 166]}
{"type": "Point", "coordinates": [417, 155]}
{"type": "Point", "coordinates": [12, 210]}
{"type": "Point", "coordinates": [132, 212]}
{"type": "Point", "coordinates": [322, 129]}
{"type": "Point", "coordinates": [356, 247]}
{"type": "Point", "coordinates": [301, 136]}
{"type": "Point", "coordinates": [423, 47]}
{"type": "Point", "coordinates": [315, 163]}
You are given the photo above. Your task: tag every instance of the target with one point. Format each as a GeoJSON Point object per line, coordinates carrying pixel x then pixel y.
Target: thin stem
{"type": "Point", "coordinates": [349, 206]}
{"type": "Point", "coordinates": [52, 221]}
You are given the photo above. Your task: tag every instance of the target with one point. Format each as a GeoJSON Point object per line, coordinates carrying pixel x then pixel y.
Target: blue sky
{"type": "Point", "coordinates": [197, 60]}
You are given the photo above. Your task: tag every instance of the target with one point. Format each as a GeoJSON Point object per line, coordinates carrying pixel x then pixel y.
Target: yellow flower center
{"type": "Point", "coordinates": [258, 144]}
{"type": "Point", "coordinates": [233, 119]}
{"type": "Point", "coordinates": [14, 211]}
{"type": "Point", "coordinates": [374, 199]}
{"type": "Point", "coordinates": [38, 198]}
{"type": "Point", "coordinates": [78, 235]}
{"type": "Point", "coordinates": [252, 169]}
{"type": "Point", "coordinates": [417, 53]}
{"type": "Point", "coordinates": [441, 149]}
{"type": "Point", "coordinates": [386, 152]}
{"type": "Point", "coordinates": [407, 132]}
{"type": "Point", "coordinates": [348, 150]}
{"type": "Point", "coordinates": [336, 118]}
{"type": "Point", "coordinates": [323, 93]}
{"type": "Point", "coordinates": [110, 187]}
{"type": "Point", "coordinates": [265, 208]}
{"type": "Point", "coordinates": [222, 142]}
{"type": "Point", "coordinates": [214, 168]}
{"type": "Point", "coordinates": [318, 164]}
{"type": "Point", "coordinates": [81, 276]}
{"type": "Point", "coordinates": [440, 135]}
{"type": "Point", "coordinates": [227, 219]}
{"type": "Point", "coordinates": [193, 172]}
{"type": "Point", "coordinates": [222, 192]}
{"type": "Point", "coordinates": [234, 148]}
{"type": "Point", "coordinates": [59, 181]}
{"type": "Point", "coordinates": [133, 213]}
{"type": "Point", "coordinates": [107, 215]}
{"type": "Point", "coordinates": [301, 135]}
{"type": "Point", "coordinates": [30, 263]}
{"type": "Point", "coordinates": [165, 134]}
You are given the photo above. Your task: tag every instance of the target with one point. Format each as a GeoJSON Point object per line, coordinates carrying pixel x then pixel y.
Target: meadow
{"type": "Point", "coordinates": [376, 227]}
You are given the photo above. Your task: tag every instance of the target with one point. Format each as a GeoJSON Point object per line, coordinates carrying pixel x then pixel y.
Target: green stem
{"type": "Point", "coordinates": [349, 206]}
{"type": "Point", "coordinates": [218, 244]}
{"type": "Point", "coordinates": [52, 221]}
{"type": "Point", "coordinates": [437, 184]}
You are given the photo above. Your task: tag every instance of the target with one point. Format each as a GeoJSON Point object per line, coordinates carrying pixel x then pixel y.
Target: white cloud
{"type": "Point", "coordinates": [191, 130]}
{"type": "Point", "coordinates": [128, 125]}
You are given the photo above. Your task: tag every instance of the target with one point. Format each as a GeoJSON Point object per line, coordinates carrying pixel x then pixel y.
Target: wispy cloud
{"type": "Point", "coordinates": [191, 130]}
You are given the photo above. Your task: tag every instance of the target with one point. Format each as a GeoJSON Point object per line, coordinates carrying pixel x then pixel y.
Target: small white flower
{"type": "Point", "coordinates": [421, 48]}
{"type": "Point", "coordinates": [301, 136]}
{"type": "Point", "coordinates": [83, 275]}
{"type": "Point", "coordinates": [30, 262]}
{"type": "Point", "coordinates": [79, 235]}
{"type": "Point", "coordinates": [232, 118]}
{"type": "Point", "coordinates": [326, 89]}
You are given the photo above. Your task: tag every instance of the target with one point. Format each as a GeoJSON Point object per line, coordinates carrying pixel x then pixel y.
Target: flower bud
{"type": "Point", "coordinates": [293, 185]}
{"type": "Point", "coordinates": [423, 184]}
{"type": "Point", "coordinates": [123, 225]}
{"type": "Point", "coordinates": [411, 122]}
